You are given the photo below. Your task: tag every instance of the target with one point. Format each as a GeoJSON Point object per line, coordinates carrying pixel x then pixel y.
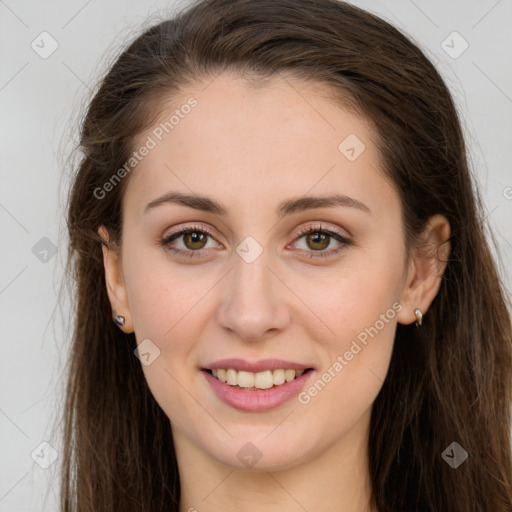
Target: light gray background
{"type": "Point", "coordinates": [41, 101]}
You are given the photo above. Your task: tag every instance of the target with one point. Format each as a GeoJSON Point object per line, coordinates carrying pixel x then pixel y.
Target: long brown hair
{"type": "Point", "coordinates": [448, 381]}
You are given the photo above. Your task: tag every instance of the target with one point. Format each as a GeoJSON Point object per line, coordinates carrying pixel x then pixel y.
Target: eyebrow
{"type": "Point", "coordinates": [284, 208]}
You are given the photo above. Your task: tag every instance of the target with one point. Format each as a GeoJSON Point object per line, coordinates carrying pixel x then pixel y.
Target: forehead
{"type": "Point", "coordinates": [275, 108]}
{"type": "Point", "coordinates": [285, 136]}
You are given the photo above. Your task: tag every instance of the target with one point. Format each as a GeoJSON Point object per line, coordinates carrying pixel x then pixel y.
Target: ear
{"type": "Point", "coordinates": [116, 289]}
{"type": "Point", "coordinates": [426, 269]}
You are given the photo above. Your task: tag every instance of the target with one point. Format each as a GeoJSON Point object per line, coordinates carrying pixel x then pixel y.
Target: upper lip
{"type": "Point", "coordinates": [256, 366]}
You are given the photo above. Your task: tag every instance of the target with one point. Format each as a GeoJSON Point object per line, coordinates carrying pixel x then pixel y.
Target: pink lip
{"type": "Point", "coordinates": [260, 400]}
{"type": "Point", "coordinates": [257, 366]}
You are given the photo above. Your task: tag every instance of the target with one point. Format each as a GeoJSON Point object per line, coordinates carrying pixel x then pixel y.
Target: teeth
{"type": "Point", "coordinates": [278, 376]}
{"type": "Point", "coordinates": [245, 379]}
{"type": "Point", "coordinates": [260, 380]}
{"type": "Point", "coordinates": [232, 376]}
{"type": "Point", "coordinates": [263, 380]}
{"type": "Point", "coordinates": [289, 375]}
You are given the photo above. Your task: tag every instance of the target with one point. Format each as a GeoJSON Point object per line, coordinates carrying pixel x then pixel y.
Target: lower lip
{"type": "Point", "coordinates": [257, 401]}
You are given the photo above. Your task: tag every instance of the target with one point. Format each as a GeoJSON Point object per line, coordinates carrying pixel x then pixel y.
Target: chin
{"type": "Point", "coordinates": [260, 454]}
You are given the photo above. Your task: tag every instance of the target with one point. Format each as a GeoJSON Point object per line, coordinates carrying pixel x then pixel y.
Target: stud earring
{"type": "Point", "coordinates": [119, 320]}
{"type": "Point", "coordinates": [419, 317]}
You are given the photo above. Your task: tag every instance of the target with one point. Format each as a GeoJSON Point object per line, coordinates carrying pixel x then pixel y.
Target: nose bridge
{"type": "Point", "coordinates": [252, 303]}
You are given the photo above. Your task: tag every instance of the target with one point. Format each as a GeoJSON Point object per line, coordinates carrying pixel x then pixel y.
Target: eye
{"type": "Point", "coordinates": [319, 238]}
{"type": "Point", "coordinates": [194, 240]}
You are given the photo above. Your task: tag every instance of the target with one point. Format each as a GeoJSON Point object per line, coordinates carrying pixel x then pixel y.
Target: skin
{"type": "Point", "coordinates": [249, 149]}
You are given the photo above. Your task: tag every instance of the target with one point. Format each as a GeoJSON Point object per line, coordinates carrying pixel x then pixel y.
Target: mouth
{"type": "Point", "coordinates": [256, 386]}
{"type": "Point", "coordinates": [256, 381]}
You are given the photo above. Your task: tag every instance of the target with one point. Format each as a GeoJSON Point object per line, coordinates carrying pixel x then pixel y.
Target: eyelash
{"type": "Point", "coordinates": [303, 232]}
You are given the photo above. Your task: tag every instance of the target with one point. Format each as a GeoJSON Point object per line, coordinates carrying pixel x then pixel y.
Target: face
{"type": "Point", "coordinates": [265, 275]}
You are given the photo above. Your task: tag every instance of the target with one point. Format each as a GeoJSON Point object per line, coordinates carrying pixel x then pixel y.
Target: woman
{"type": "Point", "coordinates": [285, 298]}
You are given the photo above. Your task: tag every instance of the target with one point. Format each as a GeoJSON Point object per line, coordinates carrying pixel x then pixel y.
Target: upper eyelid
{"type": "Point", "coordinates": [321, 226]}
{"type": "Point", "coordinates": [183, 230]}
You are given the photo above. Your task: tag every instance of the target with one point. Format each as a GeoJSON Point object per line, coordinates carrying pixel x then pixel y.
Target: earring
{"type": "Point", "coordinates": [419, 317]}
{"type": "Point", "coordinates": [119, 320]}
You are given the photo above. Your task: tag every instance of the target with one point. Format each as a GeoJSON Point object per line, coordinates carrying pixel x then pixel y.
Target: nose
{"type": "Point", "coordinates": [254, 304]}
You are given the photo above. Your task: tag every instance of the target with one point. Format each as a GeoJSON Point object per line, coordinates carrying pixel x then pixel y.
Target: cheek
{"type": "Point", "coordinates": [360, 312]}
{"type": "Point", "coordinates": [356, 361]}
{"type": "Point", "coordinates": [353, 297]}
{"type": "Point", "coordinates": [166, 307]}
{"type": "Point", "coordinates": [162, 297]}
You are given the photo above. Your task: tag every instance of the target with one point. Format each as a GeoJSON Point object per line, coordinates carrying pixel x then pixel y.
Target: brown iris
{"type": "Point", "coordinates": [195, 237]}
{"type": "Point", "coordinates": [322, 240]}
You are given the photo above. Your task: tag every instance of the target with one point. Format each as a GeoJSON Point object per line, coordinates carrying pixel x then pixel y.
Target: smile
{"type": "Point", "coordinates": [256, 391]}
